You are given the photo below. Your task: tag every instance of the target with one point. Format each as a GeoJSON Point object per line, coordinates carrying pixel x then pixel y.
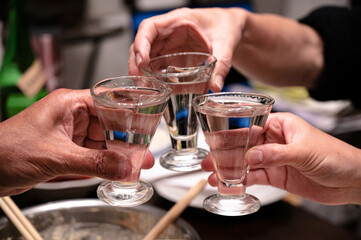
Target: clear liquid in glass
{"type": "Point", "coordinates": [129, 129]}
{"type": "Point", "coordinates": [231, 125]}
{"type": "Point", "coordinates": [188, 75]}
{"type": "Point", "coordinates": [183, 127]}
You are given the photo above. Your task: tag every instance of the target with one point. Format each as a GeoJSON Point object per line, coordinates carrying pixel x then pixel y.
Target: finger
{"type": "Point", "coordinates": [223, 65]}
{"type": "Point", "coordinates": [147, 32]}
{"type": "Point", "coordinates": [148, 161]}
{"type": "Point", "coordinates": [94, 144]}
{"type": "Point", "coordinates": [100, 163]}
{"type": "Point", "coordinates": [257, 176]}
{"type": "Point", "coordinates": [207, 164]}
{"type": "Point", "coordinates": [274, 155]}
{"type": "Point", "coordinates": [95, 130]}
{"type": "Point", "coordinates": [84, 96]}
{"type": "Point", "coordinates": [158, 29]}
{"type": "Point", "coordinates": [212, 179]}
{"type": "Point", "coordinates": [132, 62]}
{"type": "Point", "coordinates": [278, 177]}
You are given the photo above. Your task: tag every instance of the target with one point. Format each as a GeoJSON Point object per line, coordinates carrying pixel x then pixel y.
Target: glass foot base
{"type": "Point", "coordinates": [231, 205]}
{"type": "Point", "coordinates": [184, 161]}
{"type": "Point", "coordinates": [124, 195]}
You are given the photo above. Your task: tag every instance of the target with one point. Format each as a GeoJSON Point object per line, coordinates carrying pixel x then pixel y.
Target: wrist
{"type": "Point", "coordinates": [354, 193]}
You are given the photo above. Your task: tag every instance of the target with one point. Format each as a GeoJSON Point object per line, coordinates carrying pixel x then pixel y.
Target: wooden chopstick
{"type": "Point", "coordinates": [18, 219]}
{"type": "Point", "coordinates": [175, 211]}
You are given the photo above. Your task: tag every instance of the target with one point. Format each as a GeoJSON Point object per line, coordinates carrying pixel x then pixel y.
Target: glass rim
{"type": "Point", "coordinates": [181, 74]}
{"type": "Point", "coordinates": [270, 100]}
{"type": "Point", "coordinates": [163, 95]}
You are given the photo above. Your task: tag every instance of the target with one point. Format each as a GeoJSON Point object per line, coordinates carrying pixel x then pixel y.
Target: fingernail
{"type": "Point", "coordinates": [219, 82]}
{"type": "Point", "coordinates": [138, 59]}
{"type": "Point", "coordinates": [255, 157]}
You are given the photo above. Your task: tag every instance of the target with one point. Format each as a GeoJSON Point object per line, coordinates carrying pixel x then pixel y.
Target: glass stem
{"type": "Point", "coordinates": [128, 185]}
{"type": "Point", "coordinates": [235, 190]}
{"type": "Point", "coordinates": [184, 144]}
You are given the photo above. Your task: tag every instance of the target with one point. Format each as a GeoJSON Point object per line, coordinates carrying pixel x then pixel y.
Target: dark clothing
{"type": "Point", "coordinates": [340, 29]}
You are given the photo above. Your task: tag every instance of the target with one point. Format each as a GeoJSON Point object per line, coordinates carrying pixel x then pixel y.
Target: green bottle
{"type": "Point", "coordinates": [21, 76]}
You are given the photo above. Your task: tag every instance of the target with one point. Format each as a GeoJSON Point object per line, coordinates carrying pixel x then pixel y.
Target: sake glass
{"type": "Point", "coordinates": [188, 75]}
{"type": "Point", "coordinates": [232, 123]}
{"type": "Point", "coordinates": [129, 109]}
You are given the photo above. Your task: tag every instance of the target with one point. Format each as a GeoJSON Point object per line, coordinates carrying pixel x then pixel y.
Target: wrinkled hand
{"type": "Point", "coordinates": [213, 30]}
{"type": "Point", "coordinates": [57, 135]}
{"type": "Point", "coordinates": [303, 160]}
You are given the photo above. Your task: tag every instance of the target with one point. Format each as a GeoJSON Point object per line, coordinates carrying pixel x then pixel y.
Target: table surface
{"type": "Point", "coordinates": [278, 220]}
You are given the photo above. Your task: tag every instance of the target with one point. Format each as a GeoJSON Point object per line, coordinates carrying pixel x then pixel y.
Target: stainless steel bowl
{"type": "Point", "coordinates": [94, 220]}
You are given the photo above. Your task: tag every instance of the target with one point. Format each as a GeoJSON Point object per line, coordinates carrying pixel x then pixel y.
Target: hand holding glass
{"type": "Point", "coordinates": [129, 109]}
{"type": "Point", "coordinates": [187, 74]}
{"type": "Point", "coordinates": [232, 123]}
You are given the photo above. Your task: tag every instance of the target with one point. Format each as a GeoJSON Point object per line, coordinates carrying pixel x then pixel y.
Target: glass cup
{"type": "Point", "coordinates": [187, 74]}
{"type": "Point", "coordinates": [129, 109]}
{"type": "Point", "coordinates": [232, 123]}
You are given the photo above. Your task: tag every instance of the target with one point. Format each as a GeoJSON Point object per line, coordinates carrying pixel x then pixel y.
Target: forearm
{"type": "Point", "coordinates": [279, 51]}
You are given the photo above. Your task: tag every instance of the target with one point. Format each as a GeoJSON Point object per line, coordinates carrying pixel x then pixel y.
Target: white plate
{"type": "Point", "coordinates": [173, 186]}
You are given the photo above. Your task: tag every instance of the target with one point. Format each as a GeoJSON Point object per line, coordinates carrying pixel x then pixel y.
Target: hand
{"type": "Point", "coordinates": [303, 160]}
{"type": "Point", "coordinates": [212, 30]}
{"type": "Point", "coordinates": [57, 135]}
{"type": "Point", "coordinates": [263, 47]}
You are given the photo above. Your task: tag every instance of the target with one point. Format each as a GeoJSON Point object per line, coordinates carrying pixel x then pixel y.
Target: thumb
{"type": "Point", "coordinates": [275, 155]}
{"type": "Point", "coordinates": [100, 163]}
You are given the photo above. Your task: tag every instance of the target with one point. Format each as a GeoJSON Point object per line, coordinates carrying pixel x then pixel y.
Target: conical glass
{"type": "Point", "coordinates": [129, 109]}
{"type": "Point", "coordinates": [188, 75]}
{"type": "Point", "coordinates": [232, 123]}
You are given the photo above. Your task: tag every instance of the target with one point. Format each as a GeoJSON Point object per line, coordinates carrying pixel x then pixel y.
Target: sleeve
{"type": "Point", "coordinates": [340, 29]}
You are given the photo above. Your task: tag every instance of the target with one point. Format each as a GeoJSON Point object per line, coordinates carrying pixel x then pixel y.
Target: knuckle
{"type": "Point", "coordinates": [104, 166]}
{"type": "Point", "coordinates": [225, 63]}
{"type": "Point", "coordinates": [60, 91]}
{"type": "Point", "coordinates": [276, 156]}
{"type": "Point", "coordinates": [182, 10]}
{"type": "Point", "coordinates": [144, 23]}
{"type": "Point", "coordinates": [99, 163]}
{"type": "Point", "coordinates": [279, 153]}
{"type": "Point", "coordinates": [107, 165]}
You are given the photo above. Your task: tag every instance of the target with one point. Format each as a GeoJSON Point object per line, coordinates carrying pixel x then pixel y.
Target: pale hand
{"type": "Point", "coordinates": [303, 160]}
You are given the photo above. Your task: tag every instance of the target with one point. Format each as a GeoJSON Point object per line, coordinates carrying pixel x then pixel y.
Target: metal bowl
{"type": "Point", "coordinates": [94, 220]}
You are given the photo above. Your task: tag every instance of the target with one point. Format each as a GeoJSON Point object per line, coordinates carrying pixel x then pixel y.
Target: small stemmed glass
{"type": "Point", "coordinates": [187, 74]}
{"type": "Point", "coordinates": [129, 109]}
{"type": "Point", "coordinates": [232, 123]}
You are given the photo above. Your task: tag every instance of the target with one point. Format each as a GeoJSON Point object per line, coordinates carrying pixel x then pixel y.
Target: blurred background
{"type": "Point", "coordinates": [86, 41]}
{"type": "Point", "coordinates": [96, 35]}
